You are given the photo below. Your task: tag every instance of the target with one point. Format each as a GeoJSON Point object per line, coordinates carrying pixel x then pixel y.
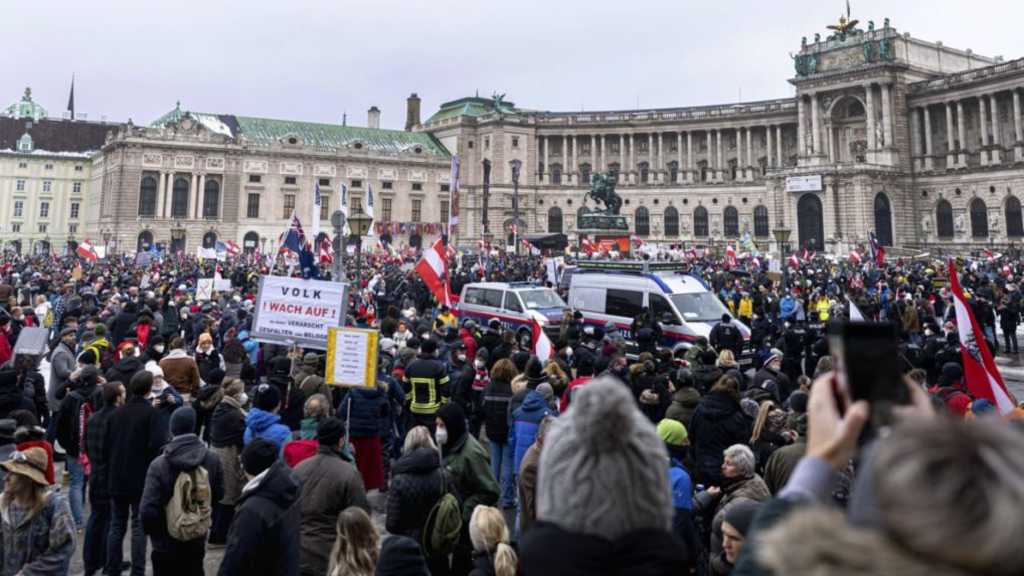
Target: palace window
{"type": "Point", "coordinates": [979, 219]}
{"type": "Point", "coordinates": [357, 184]}
{"type": "Point", "coordinates": [43, 228]}
{"type": "Point", "coordinates": [44, 209]}
{"type": "Point", "coordinates": [645, 172]}
{"type": "Point", "coordinates": [47, 166]}
{"type": "Point", "coordinates": [73, 213]}
{"type": "Point", "coordinates": [556, 173]}
{"type": "Point", "coordinates": [446, 188]}
{"type": "Point", "coordinates": [443, 217]}
{"type": "Point", "coordinates": [19, 185]}
{"type": "Point", "coordinates": [700, 222]}
{"type": "Point", "coordinates": [642, 222]}
{"type": "Point", "coordinates": [325, 207]}
{"type": "Point", "coordinates": [417, 187]}
{"type": "Point", "coordinates": [179, 198]}
{"type": "Point", "coordinates": [515, 141]}
{"type": "Point", "coordinates": [47, 185]}
{"type": "Point", "coordinates": [252, 208]}
{"type": "Point", "coordinates": [78, 168]}
{"type": "Point", "coordinates": [15, 228]}
{"type": "Point", "coordinates": [211, 200]}
{"type": "Point", "coordinates": [761, 222]}
{"type": "Point", "coordinates": [72, 229]}
{"type": "Point", "coordinates": [1014, 223]}
{"type": "Point", "coordinates": [255, 178]}
{"type": "Point", "coordinates": [290, 181]}
{"type": "Point", "coordinates": [944, 219]}
{"type": "Point", "coordinates": [731, 221]}
{"type": "Point", "coordinates": [289, 206]}
{"type": "Point", "coordinates": [555, 220]}
{"type": "Point", "coordinates": [76, 188]}
{"type": "Point", "coordinates": [325, 181]}
{"type": "Point", "coordinates": [19, 208]}
{"type": "Point", "coordinates": [385, 209]}
{"type": "Point", "coordinates": [387, 185]}
{"type": "Point", "coordinates": [671, 222]}
{"type": "Point", "coordinates": [584, 173]}
{"type": "Point", "coordinates": [417, 210]}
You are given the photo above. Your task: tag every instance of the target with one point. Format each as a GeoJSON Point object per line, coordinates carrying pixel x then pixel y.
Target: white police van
{"type": "Point", "coordinates": [617, 292]}
{"type": "Point", "coordinates": [516, 304]}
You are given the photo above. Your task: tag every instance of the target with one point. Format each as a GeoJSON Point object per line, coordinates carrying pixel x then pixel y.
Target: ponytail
{"type": "Point", "coordinates": [505, 561]}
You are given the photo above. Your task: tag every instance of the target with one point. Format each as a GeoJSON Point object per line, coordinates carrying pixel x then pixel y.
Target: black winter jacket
{"type": "Point", "coordinates": [415, 488]}
{"type": "Point", "coordinates": [264, 536]}
{"type": "Point", "coordinates": [124, 370]}
{"type": "Point", "coordinates": [497, 396]}
{"type": "Point", "coordinates": [133, 440]}
{"type": "Point", "coordinates": [12, 395]}
{"type": "Point", "coordinates": [547, 549]}
{"type": "Point", "coordinates": [98, 451]}
{"type": "Point", "coordinates": [183, 453]}
{"type": "Point", "coordinates": [717, 424]}
{"type": "Point", "coordinates": [227, 426]}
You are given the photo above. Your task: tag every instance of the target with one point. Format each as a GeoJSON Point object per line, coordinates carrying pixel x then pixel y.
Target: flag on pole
{"type": "Point", "coordinates": [877, 250]}
{"type": "Point", "coordinates": [855, 313]}
{"type": "Point", "coordinates": [433, 270]}
{"type": "Point", "coordinates": [793, 261]}
{"type": "Point", "coordinates": [980, 372]}
{"type": "Point", "coordinates": [343, 206]}
{"type": "Point", "coordinates": [86, 250]}
{"type": "Point", "coordinates": [294, 238]}
{"type": "Point", "coordinates": [326, 250]}
{"type": "Point", "coordinates": [855, 256]}
{"type": "Point", "coordinates": [71, 98]}
{"type": "Point", "coordinates": [314, 228]}
{"type": "Point", "coordinates": [541, 343]}
{"type": "Point", "coordinates": [233, 248]}
{"type": "Point", "coordinates": [453, 203]}
{"type": "Point", "coordinates": [730, 256]}
{"type": "Point", "coordinates": [369, 201]}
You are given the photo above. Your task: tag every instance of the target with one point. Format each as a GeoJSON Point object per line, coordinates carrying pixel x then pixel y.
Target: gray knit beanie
{"type": "Point", "coordinates": [604, 470]}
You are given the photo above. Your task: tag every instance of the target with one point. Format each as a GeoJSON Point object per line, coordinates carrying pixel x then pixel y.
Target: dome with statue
{"type": "Point", "coordinates": [26, 108]}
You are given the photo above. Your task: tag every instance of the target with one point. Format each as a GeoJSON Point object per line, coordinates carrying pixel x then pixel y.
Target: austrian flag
{"type": "Point", "coordinates": [433, 269]}
{"type": "Point", "coordinates": [85, 250]}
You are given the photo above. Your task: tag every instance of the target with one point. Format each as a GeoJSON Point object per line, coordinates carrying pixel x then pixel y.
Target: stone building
{"type": "Point", "coordinates": [915, 141]}
{"type": "Point", "coordinates": [45, 177]}
{"type": "Point", "coordinates": [190, 179]}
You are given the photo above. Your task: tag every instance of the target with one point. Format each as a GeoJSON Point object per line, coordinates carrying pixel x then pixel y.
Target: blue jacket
{"type": "Point", "coordinates": [369, 407]}
{"type": "Point", "coordinates": [787, 308]}
{"type": "Point", "coordinates": [252, 348]}
{"type": "Point", "coordinates": [261, 424]}
{"type": "Point", "coordinates": [682, 486]}
{"type": "Point", "coordinates": [525, 422]}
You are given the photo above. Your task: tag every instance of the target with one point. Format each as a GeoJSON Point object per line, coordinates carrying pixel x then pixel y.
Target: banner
{"type": "Point", "coordinates": [294, 311]}
{"type": "Point", "coordinates": [351, 357]}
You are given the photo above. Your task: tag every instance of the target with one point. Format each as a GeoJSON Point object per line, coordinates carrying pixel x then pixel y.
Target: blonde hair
{"type": "Point", "coordinates": [726, 359]}
{"type": "Point", "coordinates": [356, 547]}
{"type": "Point", "coordinates": [762, 418]}
{"type": "Point", "coordinates": [418, 437]}
{"type": "Point", "coordinates": [489, 533]}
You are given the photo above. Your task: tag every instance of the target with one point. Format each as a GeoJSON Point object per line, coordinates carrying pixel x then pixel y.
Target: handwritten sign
{"type": "Point", "coordinates": [293, 311]}
{"type": "Point", "coordinates": [351, 357]}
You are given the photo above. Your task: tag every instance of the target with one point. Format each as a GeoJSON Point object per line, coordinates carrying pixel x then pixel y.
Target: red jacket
{"type": "Point", "coordinates": [470, 343]}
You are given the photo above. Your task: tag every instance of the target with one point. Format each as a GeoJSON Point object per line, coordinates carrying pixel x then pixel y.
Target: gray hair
{"type": "Point", "coordinates": [969, 516]}
{"type": "Point", "coordinates": [317, 407]}
{"type": "Point", "coordinates": [742, 457]}
{"type": "Point", "coordinates": [418, 437]}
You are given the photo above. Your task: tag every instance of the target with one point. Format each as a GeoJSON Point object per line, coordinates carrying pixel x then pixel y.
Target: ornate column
{"type": "Point", "coordinates": [750, 151]}
{"type": "Point", "coordinates": [195, 195]}
{"type": "Point", "coordinates": [887, 114]}
{"type": "Point", "coordinates": [982, 122]}
{"type": "Point", "coordinates": [964, 147]}
{"type": "Point", "coordinates": [575, 143]}
{"type": "Point", "coordinates": [679, 156]}
{"type": "Point", "coordinates": [661, 157]}
{"type": "Point", "coordinates": [950, 157]}
{"type": "Point", "coordinates": [593, 154]}
{"type": "Point", "coordinates": [161, 192]}
{"type": "Point", "coordinates": [546, 178]}
{"type": "Point", "coordinates": [689, 153]}
{"type": "Point", "coordinates": [711, 157]}
{"type": "Point", "coordinates": [778, 145]}
{"type": "Point", "coordinates": [566, 169]}
{"type": "Point", "coordinates": [801, 133]}
{"type": "Point", "coordinates": [623, 168]}
{"type": "Point", "coordinates": [604, 153]}
{"type": "Point", "coordinates": [816, 124]}
{"type": "Point", "coordinates": [632, 158]}
{"type": "Point", "coordinates": [995, 156]}
{"type": "Point", "coordinates": [740, 172]}
{"type": "Point", "coordinates": [929, 161]}
{"type": "Point", "coordinates": [718, 148]}
{"type": "Point", "coordinates": [870, 110]}
{"type": "Point", "coordinates": [652, 170]}
{"type": "Point", "coordinates": [1018, 130]}
{"type": "Point", "coordinates": [201, 195]}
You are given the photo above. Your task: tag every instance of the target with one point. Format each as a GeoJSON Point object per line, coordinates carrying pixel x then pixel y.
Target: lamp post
{"type": "Point", "coordinates": [360, 225]}
{"type": "Point", "coordinates": [517, 165]}
{"type": "Point", "coordinates": [782, 237]}
{"type": "Point", "coordinates": [338, 267]}
{"type": "Point", "coordinates": [484, 220]}
{"type": "Point", "coordinates": [106, 241]}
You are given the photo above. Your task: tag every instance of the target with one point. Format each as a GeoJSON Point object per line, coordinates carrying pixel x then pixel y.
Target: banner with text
{"type": "Point", "coordinates": [296, 311]}
{"type": "Point", "coordinates": [352, 357]}
{"type": "Point", "coordinates": [803, 183]}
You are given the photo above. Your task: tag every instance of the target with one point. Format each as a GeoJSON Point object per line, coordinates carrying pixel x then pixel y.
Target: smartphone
{"type": "Point", "coordinates": [868, 367]}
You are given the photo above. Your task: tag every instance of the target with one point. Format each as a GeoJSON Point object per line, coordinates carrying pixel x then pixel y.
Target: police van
{"type": "Point", "coordinates": [617, 292]}
{"type": "Point", "coordinates": [516, 304]}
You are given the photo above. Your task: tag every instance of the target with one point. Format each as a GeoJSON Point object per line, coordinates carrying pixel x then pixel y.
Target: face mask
{"type": "Point", "coordinates": [441, 436]}
{"type": "Point", "coordinates": [479, 364]}
{"type": "Point", "coordinates": [243, 399]}
{"type": "Point", "coordinates": [159, 348]}
{"type": "Point", "coordinates": [568, 352]}
{"type": "Point", "coordinates": [460, 357]}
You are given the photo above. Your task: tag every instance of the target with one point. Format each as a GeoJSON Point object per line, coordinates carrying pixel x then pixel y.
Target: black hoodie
{"type": "Point", "coordinates": [264, 537]}
{"type": "Point", "coordinates": [124, 369]}
{"type": "Point", "coordinates": [183, 453]}
{"type": "Point", "coordinates": [415, 488]}
{"type": "Point", "coordinates": [717, 424]}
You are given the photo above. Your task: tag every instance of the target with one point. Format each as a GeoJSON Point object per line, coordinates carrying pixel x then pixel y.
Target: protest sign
{"type": "Point", "coordinates": [351, 357]}
{"type": "Point", "coordinates": [294, 311]}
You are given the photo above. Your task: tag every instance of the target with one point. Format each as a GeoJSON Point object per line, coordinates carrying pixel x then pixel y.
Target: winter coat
{"type": "Point", "coordinates": [752, 489]}
{"type": "Point", "coordinates": [684, 403]}
{"type": "Point", "coordinates": [525, 423]}
{"type": "Point", "coordinates": [37, 546]}
{"type": "Point", "coordinates": [182, 454]}
{"type": "Point", "coordinates": [497, 396]}
{"type": "Point", "coordinates": [120, 328]}
{"type": "Point", "coordinates": [62, 364]}
{"type": "Point", "coordinates": [781, 464]}
{"type": "Point", "coordinates": [207, 363]}
{"type": "Point", "coordinates": [33, 385]}
{"type": "Point", "coordinates": [717, 423]}
{"type": "Point", "coordinates": [124, 369]}
{"type": "Point", "coordinates": [369, 406]}
{"type": "Point", "coordinates": [329, 486]}
{"type": "Point", "coordinates": [265, 535]}
{"type": "Point", "coordinates": [527, 487]}
{"type": "Point", "coordinates": [548, 549]}
{"type": "Point", "coordinates": [416, 485]}
{"type": "Point", "coordinates": [227, 425]}
{"type": "Point", "coordinates": [261, 424]}
{"type": "Point", "coordinates": [181, 372]}
{"type": "Point", "coordinates": [134, 439]}
{"type": "Point", "coordinates": [774, 382]}
{"type": "Point", "coordinates": [468, 467]}
{"type": "Point", "coordinates": [12, 394]}
{"type": "Point", "coordinates": [98, 451]}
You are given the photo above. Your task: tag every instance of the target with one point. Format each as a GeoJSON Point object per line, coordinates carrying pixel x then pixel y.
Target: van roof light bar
{"type": "Point", "coordinates": [644, 266]}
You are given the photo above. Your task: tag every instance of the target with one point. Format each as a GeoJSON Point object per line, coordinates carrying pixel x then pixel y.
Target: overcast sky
{"type": "Point", "coordinates": [316, 59]}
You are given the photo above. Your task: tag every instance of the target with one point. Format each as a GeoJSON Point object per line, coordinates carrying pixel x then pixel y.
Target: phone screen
{"type": "Point", "coordinates": [868, 367]}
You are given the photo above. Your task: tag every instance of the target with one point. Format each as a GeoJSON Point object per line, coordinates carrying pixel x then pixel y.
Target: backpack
{"type": "Point", "coordinates": [190, 510]}
{"type": "Point", "coordinates": [444, 524]}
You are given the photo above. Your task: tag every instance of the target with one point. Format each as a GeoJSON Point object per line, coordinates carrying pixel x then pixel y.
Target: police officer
{"type": "Point", "coordinates": [427, 381]}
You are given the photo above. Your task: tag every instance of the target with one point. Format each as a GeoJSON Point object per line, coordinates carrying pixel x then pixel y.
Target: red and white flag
{"type": "Point", "coordinates": [980, 371]}
{"type": "Point", "coordinates": [325, 251]}
{"type": "Point", "coordinates": [793, 261]}
{"type": "Point", "coordinates": [855, 256]}
{"type": "Point", "coordinates": [233, 248]}
{"type": "Point", "coordinates": [433, 269]}
{"type": "Point", "coordinates": [730, 256]}
{"type": "Point", "coordinates": [541, 343]}
{"type": "Point", "coordinates": [85, 250]}
{"type": "Point", "coordinates": [587, 246]}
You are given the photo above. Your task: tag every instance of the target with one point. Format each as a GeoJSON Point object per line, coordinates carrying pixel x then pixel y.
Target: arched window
{"type": "Point", "coordinates": [673, 172]}
{"type": "Point", "coordinates": [642, 222]}
{"type": "Point", "coordinates": [761, 222]}
{"type": "Point", "coordinates": [145, 241]}
{"type": "Point", "coordinates": [671, 222]}
{"type": "Point", "coordinates": [1014, 223]}
{"type": "Point", "coordinates": [579, 215]}
{"type": "Point", "coordinates": [147, 197]}
{"type": "Point", "coordinates": [250, 241]}
{"type": "Point", "coordinates": [613, 171]}
{"type": "Point", "coordinates": [179, 198]}
{"type": "Point", "coordinates": [556, 173]}
{"type": "Point", "coordinates": [584, 173]}
{"type": "Point", "coordinates": [944, 219]}
{"type": "Point", "coordinates": [700, 222]}
{"type": "Point", "coordinates": [645, 172]}
{"type": "Point", "coordinates": [883, 219]}
{"type": "Point", "coordinates": [209, 239]}
{"type": "Point", "coordinates": [979, 219]}
{"type": "Point", "coordinates": [731, 221]}
{"type": "Point", "coordinates": [555, 220]}
{"type": "Point", "coordinates": [211, 200]}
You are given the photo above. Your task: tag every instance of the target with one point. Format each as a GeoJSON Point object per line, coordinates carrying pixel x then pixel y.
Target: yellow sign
{"type": "Point", "coordinates": [352, 357]}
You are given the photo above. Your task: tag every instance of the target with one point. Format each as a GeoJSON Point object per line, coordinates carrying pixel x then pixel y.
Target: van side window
{"type": "Point", "coordinates": [660, 307]}
{"type": "Point", "coordinates": [512, 302]}
{"type": "Point", "coordinates": [625, 303]}
{"type": "Point", "coordinates": [492, 298]}
{"type": "Point", "coordinates": [474, 296]}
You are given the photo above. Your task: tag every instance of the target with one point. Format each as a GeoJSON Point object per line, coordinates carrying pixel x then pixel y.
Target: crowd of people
{"type": "Point", "coordinates": [155, 412]}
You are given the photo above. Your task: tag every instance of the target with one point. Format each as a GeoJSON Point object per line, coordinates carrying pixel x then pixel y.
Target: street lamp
{"type": "Point", "coordinates": [360, 225]}
{"type": "Point", "coordinates": [517, 165]}
{"type": "Point", "coordinates": [782, 237]}
{"type": "Point", "coordinates": [338, 267]}
{"type": "Point", "coordinates": [484, 220]}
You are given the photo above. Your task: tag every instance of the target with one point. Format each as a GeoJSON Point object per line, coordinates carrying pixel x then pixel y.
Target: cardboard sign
{"type": "Point", "coordinates": [351, 357]}
{"type": "Point", "coordinates": [294, 311]}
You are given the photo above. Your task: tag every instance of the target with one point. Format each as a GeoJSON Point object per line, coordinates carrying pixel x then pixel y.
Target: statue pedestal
{"type": "Point", "coordinates": [1018, 153]}
{"type": "Point", "coordinates": [598, 223]}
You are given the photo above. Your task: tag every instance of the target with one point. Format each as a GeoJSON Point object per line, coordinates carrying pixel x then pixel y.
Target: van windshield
{"type": "Point", "coordinates": [541, 298]}
{"type": "Point", "coordinates": [699, 306]}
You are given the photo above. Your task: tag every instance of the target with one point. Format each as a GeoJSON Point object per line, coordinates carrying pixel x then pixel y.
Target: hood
{"type": "Point", "coordinates": [686, 397]}
{"type": "Point", "coordinates": [277, 483]}
{"type": "Point", "coordinates": [185, 452]}
{"type": "Point", "coordinates": [719, 406]}
{"type": "Point", "coordinates": [130, 364]}
{"type": "Point", "coordinates": [534, 402]}
{"type": "Point", "coordinates": [419, 461]}
{"type": "Point", "coordinates": [260, 420]}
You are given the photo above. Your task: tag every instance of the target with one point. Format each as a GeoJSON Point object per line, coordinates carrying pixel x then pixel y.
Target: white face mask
{"type": "Point", "coordinates": [479, 364]}
{"type": "Point", "coordinates": [441, 436]}
{"type": "Point", "coordinates": [243, 399]}
{"type": "Point", "coordinates": [159, 348]}
{"type": "Point", "coordinates": [461, 357]}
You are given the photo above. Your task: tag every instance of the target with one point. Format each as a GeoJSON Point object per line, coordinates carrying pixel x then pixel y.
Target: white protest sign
{"type": "Point", "coordinates": [352, 357]}
{"type": "Point", "coordinates": [297, 311]}
{"type": "Point", "coordinates": [204, 289]}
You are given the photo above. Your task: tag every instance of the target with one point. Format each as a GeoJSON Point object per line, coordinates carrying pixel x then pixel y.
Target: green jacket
{"type": "Point", "coordinates": [469, 468]}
